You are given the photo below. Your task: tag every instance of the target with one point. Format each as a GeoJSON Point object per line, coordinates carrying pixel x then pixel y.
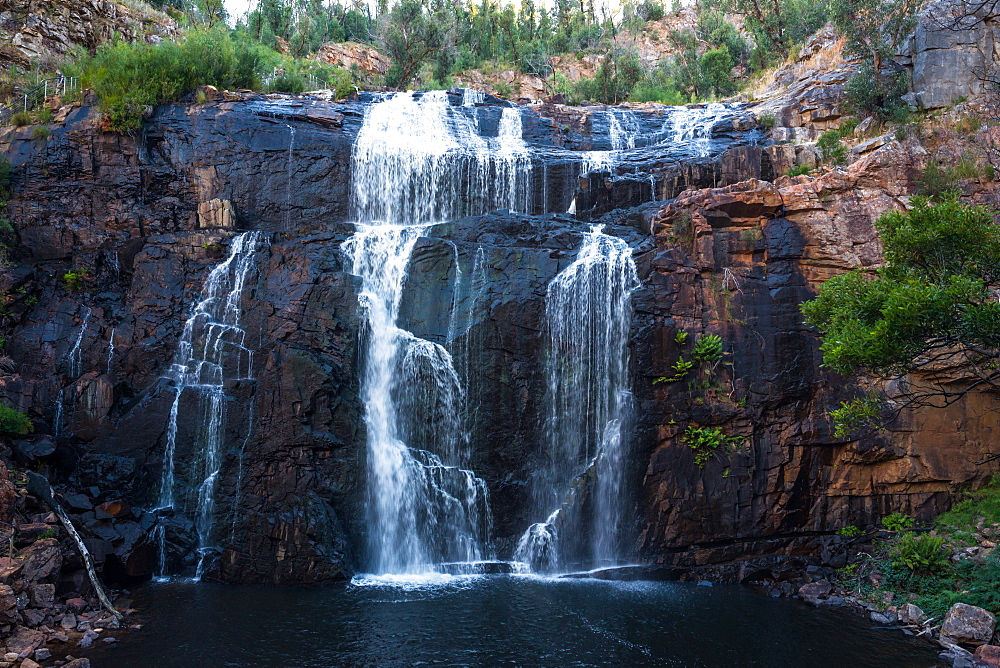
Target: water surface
{"type": "Point", "coordinates": [498, 621]}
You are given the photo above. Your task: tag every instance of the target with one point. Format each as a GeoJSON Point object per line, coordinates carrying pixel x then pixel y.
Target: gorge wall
{"type": "Point", "coordinates": [726, 248]}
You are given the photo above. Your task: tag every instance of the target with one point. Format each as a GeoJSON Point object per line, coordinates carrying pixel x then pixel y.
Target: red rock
{"type": "Point", "coordinates": [988, 654]}
{"type": "Point", "coordinates": [25, 641]}
{"type": "Point", "coordinates": [76, 605]}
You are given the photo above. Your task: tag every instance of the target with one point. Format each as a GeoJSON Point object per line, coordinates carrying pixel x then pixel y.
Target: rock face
{"type": "Point", "coordinates": [47, 29]}
{"type": "Point", "coordinates": [352, 56]}
{"type": "Point", "coordinates": [952, 51]}
{"type": "Point", "coordinates": [141, 220]}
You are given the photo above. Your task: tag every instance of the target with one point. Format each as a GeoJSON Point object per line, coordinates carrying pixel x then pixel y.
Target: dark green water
{"type": "Point", "coordinates": [498, 621]}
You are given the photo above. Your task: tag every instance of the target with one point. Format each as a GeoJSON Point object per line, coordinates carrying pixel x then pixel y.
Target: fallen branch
{"type": "Point", "coordinates": [39, 486]}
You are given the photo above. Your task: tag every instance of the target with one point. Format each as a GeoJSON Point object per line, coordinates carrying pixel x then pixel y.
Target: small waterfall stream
{"type": "Point", "coordinates": [588, 314]}
{"type": "Point", "coordinates": [211, 352]}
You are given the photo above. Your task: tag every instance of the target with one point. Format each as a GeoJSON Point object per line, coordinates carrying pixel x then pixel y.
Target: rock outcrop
{"type": "Point", "coordinates": [46, 30]}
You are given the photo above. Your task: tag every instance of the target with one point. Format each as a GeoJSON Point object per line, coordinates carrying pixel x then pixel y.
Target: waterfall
{"type": "Point", "coordinates": [75, 357]}
{"type": "Point", "coordinates": [588, 315]}
{"type": "Point", "coordinates": [693, 126]}
{"type": "Point", "coordinates": [211, 352]}
{"type": "Point", "coordinates": [111, 351]}
{"type": "Point", "coordinates": [419, 160]}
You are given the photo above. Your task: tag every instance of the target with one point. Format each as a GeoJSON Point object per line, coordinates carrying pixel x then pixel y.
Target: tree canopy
{"type": "Point", "coordinates": [933, 305]}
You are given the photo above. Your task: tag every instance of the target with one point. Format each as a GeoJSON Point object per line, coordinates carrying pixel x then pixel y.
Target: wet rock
{"type": "Point", "coordinates": [35, 448]}
{"type": "Point", "coordinates": [957, 657]}
{"type": "Point", "coordinates": [988, 655]}
{"type": "Point", "coordinates": [76, 605]}
{"type": "Point", "coordinates": [117, 509]}
{"type": "Point", "coordinates": [42, 654]}
{"type": "Point", "coordinates": [88, 638]}
{"type": "Point", "coordinates": [879, 618]}
{"type": "Point", "coordinates": [968, 624]}
{"type": "Point", "coordinates": [77, 663]}
{"type": "Point", "coordinates": [68, 621]}
{"type": "Point", "coordinates": [78, 501]}
{"type": "Point", "coordinates": [42, 595]}
{"type": "Point", "coordinates": [814, 591]}
{"type": "Point", "coordinates": [41, 560]}
{"type": "Point", "coordinates": [24, 641]}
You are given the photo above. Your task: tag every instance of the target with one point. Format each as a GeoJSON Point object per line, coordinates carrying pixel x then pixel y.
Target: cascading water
{"type": "Point", "coordinates": [418, 161]}
{"type": "Point", "coordinates": [588, 314]}
{"type": "Point", "coordinates": [211, 352]}
{"type": "Point", "coordinates": [693, 126]}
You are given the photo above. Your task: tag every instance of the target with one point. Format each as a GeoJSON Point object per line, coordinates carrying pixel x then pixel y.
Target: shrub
{"type": "Point", "coordinates": [831, 147]}
{"type": "Point", "coordinates": [129, 77]}
{"type": "Point", "coordinates": [798, 170]}
{"type": "Point", "coordinates": [6, 170]}
{"type": "Point", "coordinates": [20, 119]}
{"type": "Point", "coordinates": [767, 120]}
{"type": "Point", "coordinates": [920, 554]}
{"type": "Point", "coordinates": [936, 181]}
{"type": "Point", "coordinates": [898, 522]}
{"type": "Point", "coordinates": [707, 442]}
{"type": "Point", "coordinates": [708, 348]}
{"type": "Point", "coordinates": [873, 94]}
{"type": "Point", "coordinates": [75, 279]}
{"type": "Point", "coordinates": [850, 531]}
{"type": "Point", "coordinates": [855, 414]}
{"type": "Point", "coordinates": [43, 115]}
{"type": "Point", "coordinates": [13, 422]}
{"type": "Point", "coordinates": [40, 132]}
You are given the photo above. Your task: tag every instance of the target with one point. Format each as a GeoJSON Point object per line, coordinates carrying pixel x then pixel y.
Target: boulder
{"type": "Point", "coordinates": [28, 663]}
{"type": "Point", "coordinates": [814, 591]}
{"type": "Point", "coordinates": [77, 663]}
{"type": "Point", "coordinates": [42, 595]}
{"type": "Point", "coordinates": [41, 560]}
{"type": "Point", "coordinates": [988, 655]}
{"type": "Point", "coordinates": [25, 641]}
{"type": "Point", "coordinates": [968, 624]}
{"type": "Point", "coordinates": [117, 509]}
{"type": "Point", "coordinates": [76, 605]}
{"type": "Point", "coordinates": [911, 614]}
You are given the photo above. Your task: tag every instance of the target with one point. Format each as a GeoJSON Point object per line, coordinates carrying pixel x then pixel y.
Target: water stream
{"type": "Point", "coordinates": [211, 351]}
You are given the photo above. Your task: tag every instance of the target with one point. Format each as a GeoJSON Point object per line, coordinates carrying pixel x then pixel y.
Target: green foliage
{"type": "Point", "coordinates": [983, 505]}
{"type": "Point", "coordinates": [776, 26]}
{"type": "Point", "coordinates": [872, 93]}
{"type": "Point", "coordinates": [934, 292]}
{"type": "Point", "coordinates": [850, 531]}
{"type": "Point", "coordinates": [409, 37]}
{"type": "Point", "coordinates": [616, 77]}
{"type": "Point", "coordinates": [707, 442]}
{"type": "Point", "coordinates": [48, 533]}
{"type": "Point", "coordinates": [75, 280]}
{"type": "Point", "coordinates": [6, 177]}
{"type": "Point", "coordinates": [767, 120]}
{"type": "Point", "coordinates": [919, 553]}
{"type": "Point", "coordinates": [20, 119]}
{"type": "Point", "coordinates": [936, 181]}
{"type": "Point", "coordinates": [855, 414]}
{"type": "Point", "coordinates": [798, 170]}
{"type": "Point", "coordinates": [681, 368]}
{"type": "Point", "coordinates": [129, 77]}
{"type": "Point", "coordinates": [13, 422]}
{"type": "Point", "coordinates": [40, 132]}
{"type": "Point", "coordinates": [898, 522]}
{"type": "Point", "coordinates": [680, 337]}
{"type": "Point", "coordinates": [831, 147]}
{"type": "Point", "coordinates": [708, 348]}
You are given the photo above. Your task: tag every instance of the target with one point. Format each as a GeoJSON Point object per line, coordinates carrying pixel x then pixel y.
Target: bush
{"type": "Point", "coordinates": [130, 77]}
{"type": "Point", "coordinates": [20, 119]}
{"type": "Point", "coordinates": [615, 79]}
{"type": "Point", "coordinates": [707, 442]}
{"type": "Point", "coordinates": [767, 120]}
{"type": "Point", "coordinates": [798, 170]}
{"type": "Point", "coordinates": [6, 171]}
{"type": "Point", "coordinates": [13, 422]}
{"type": "Point", "coordinates": [898, 522]}
{"type": "Point", "coordinates": [40, 132]}
{"type": "Point", "coordinates": [937, 181]}
{"type": "Point", "coordinates": [919, 554]}
{"type": "Point", "coordinates": [855, 414]}
{"type": "Point", "coordinates": [850, 531]}
{"type": "Point", "coordinates": [831, 147]}
{"type": "Point", "coordinates": [873, 94]}
{"type": "Point", "coordinates": [75, 280]}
